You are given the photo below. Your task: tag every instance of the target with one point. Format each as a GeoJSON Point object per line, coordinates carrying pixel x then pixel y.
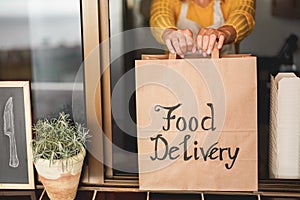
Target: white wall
{"type": "Point", "coordinates": [270, 33]}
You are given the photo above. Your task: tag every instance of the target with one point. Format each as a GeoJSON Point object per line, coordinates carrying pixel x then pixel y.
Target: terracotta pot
{"type": "Point", "coordinates": [61, 178]}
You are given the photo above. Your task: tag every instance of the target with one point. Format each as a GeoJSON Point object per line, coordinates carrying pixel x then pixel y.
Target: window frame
{"type": "Point", "coordinates": [95, 29]}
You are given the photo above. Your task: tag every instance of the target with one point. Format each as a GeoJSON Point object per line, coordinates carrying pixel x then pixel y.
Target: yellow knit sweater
{"type": "Point", "coordinates": [237, 13]}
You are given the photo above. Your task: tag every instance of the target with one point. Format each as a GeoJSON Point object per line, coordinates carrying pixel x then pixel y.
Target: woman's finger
{"type": "Point", "coordinates": [205, 42]}
{"type": "Point", "coordinates": [190, 44]}
{"type": "Point", "coordinates": [221, 41]}
{"type": "Point", "coordinates": [199, 42]}
{"type": "Point", "coordinates": [176, 46]}
{"type": "Point", "coordinates": [211, 43]}
{"type": "Point", "coordinates": [183, 43]}
{"type": "Point", "coordinates": [170, 46]}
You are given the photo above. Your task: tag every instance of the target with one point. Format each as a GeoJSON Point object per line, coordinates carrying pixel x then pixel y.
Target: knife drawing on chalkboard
{"type": "Point", "coordinates": [8, 123]}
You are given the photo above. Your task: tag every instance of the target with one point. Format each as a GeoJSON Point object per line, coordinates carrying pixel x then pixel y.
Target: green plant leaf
{"type": "Point", "coordinates": [58, 138]}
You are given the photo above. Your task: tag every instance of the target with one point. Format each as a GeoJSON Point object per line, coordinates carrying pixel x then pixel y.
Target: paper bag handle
{"type": "Point", "coordinates": [172, 56]}
{"type": "Point", "coordinates": [215, 54]}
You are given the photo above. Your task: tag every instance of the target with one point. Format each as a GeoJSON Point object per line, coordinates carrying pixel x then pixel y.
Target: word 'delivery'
{"type": "Point", "coordinates": [197, 153]}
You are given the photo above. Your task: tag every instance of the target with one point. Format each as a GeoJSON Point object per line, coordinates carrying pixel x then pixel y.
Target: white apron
{"type": "Point", "coordinates": [184, 23]}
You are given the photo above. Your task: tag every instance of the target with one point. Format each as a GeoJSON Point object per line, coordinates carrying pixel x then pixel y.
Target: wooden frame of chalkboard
{"type": "Point", "coordinates": [16, 164]}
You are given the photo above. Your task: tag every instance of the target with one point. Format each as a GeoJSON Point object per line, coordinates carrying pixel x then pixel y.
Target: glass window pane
{"type": "Point", "coordinates": [175, 196]}
{"type": "Point", "coordinates": [121, 195]}
{"type": "Point", "coordinates": [41, 42]}
{"type": "Point", "coordinates": [280, 198]}
{"type": "Point", "coordinates": [230, 197]}
{"type": "Point", "coordinates": [126, 47]}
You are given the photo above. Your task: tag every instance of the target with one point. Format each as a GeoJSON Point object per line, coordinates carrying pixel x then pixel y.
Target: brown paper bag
{"type": "Point", "coordinates": [197, 123]}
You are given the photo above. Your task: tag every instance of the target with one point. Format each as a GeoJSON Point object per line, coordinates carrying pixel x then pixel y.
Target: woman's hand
{"type": "Point", "coordinates": [179, 41]}
{"type": "Point", "coordinates": [207, 38]}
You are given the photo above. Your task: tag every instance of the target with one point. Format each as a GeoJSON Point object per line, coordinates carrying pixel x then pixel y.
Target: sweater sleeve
{"type": "Point", "coordinates": [241, 17]}
{"type": "Point", "coordinates": [162, 16]}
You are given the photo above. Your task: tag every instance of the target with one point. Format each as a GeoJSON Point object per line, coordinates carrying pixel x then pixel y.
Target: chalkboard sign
{"type": "Point", "coordinates": [16, 165]}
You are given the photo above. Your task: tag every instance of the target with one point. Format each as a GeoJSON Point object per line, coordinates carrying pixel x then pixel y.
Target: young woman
{"type": "Point", "coordinates": [191, 25]}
